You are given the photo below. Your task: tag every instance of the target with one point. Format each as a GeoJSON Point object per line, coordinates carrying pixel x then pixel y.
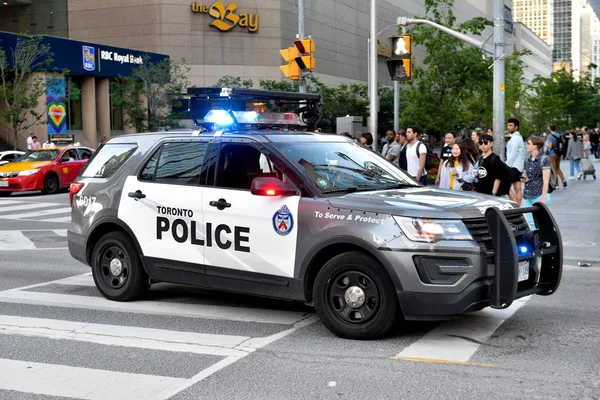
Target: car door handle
{"type": "Point", "coordinates": [221, 204]}
{"type": "Point", "coordinates": [137, 194]}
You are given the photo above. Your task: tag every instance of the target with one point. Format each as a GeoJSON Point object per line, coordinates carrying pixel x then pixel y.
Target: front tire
{"type": "Point", "coordinates": [117, 268]}
{"type": "Point", "coordinates": [355, 298]}
{"type": "Point", "coordinates": [51, 184]}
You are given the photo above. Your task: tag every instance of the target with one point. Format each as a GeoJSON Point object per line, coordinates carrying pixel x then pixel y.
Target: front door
{"type": "Point", "coordinates": [244, 231]}
{"type": "Point", "coordinates": [163, 204]}
{"type": "Point", "coordinates": [69, 169]}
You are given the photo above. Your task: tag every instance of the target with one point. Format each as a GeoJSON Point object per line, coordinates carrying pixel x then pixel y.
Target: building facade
{"type": "Point", "coordinates": [537, 15]}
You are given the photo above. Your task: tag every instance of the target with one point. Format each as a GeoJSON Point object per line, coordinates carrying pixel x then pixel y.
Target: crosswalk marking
{"type": "Point", "coordinates": [115, 335]}
{"type": "Point", "coordinates": [16, 210]}
{"type": "Point", "coordinates": [15, 240]}
{"type": "Point", "coordinates": [458, 339]}
{"type": "Point", "coordinates": [25, 206]}
{"type": "Point", "coordinates": [35, 239]}
{"type": "Point", "coordinates": [155, 307]}
{"type": "Point", "coordinates": [90, 383]}
{"type": "Point", "coordinates": [39, 213]}
{"type": "Point", "coordinates": [77, 382]}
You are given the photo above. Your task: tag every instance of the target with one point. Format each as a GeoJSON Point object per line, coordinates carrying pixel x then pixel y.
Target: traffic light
{"type": "Point", "coordinates": [291, 70]}
{"type": "Point", "coordinates": [400, 64]}
{"type": "Point", "coordinates": [306, 59]}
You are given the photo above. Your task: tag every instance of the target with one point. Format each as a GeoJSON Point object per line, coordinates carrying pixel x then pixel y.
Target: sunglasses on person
{"type": "Point", "coordinates": [484, 142]}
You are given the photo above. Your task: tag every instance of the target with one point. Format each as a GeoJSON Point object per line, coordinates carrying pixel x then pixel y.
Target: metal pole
{"type": "Point", "coordinates": [369, 67]}
{"type": "Point", "coordinates": [373, 98]}
{"type": "Point", "coordinates": [499, 78]}
{"type": "Point", "coordinates": [302, 80]}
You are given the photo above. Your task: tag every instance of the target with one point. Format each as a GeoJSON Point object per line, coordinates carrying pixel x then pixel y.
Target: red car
{"type": "Point", "coordinates": [47, 170]}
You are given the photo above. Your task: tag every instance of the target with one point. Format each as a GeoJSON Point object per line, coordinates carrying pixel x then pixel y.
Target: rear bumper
{"type": "Point", "coordinates": [544, 256]}
{"type": "Point", "coordinates": [77, 246]}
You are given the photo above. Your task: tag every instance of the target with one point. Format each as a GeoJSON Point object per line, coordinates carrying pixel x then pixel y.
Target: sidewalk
{"type": "Point", "coordinates": [577, 212]}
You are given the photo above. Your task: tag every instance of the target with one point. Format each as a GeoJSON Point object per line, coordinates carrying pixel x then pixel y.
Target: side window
{"type": "Point", "coordinates": [147, 173]}
{"type": "Point", "coordinates": [108, 160]}
{"type": "Point", "coordinates": [239, 164]}
{"type": "Point", "coordinates": [84, 154]}
{"type": "Point", "coordinates": [180, 163]}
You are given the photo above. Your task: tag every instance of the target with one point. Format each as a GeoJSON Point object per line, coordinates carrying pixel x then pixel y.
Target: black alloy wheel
{"type": "Point", "coordinates": [117, 268]}
{"type": "Point", "coordinates": [51, 184]}
{"type": "Point", "coordinates": [355, 298]}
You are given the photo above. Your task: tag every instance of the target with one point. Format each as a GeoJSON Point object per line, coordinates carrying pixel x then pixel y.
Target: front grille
{"type": "Point", "coordinates": [8, 174]}
{"type": "Point", "coordinates": [479, 229]}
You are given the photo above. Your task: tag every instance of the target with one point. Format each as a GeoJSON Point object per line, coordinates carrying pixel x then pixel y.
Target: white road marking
{"type": "Point", "coordinates": [26, 206]}
{"type": "Point", "coordinates": [82, 383]}
{"type": "Point", "coordinates": [78, 280]}
{"type": "Point", "coordinates": [60, 232]}
{"type": "Point", "coordinates": [40, 213]}
{"type": "Point", "coordinates": [456, 340]}
{"type": "Point", "coordinates": [15, 240]}
{"type": "Point", "coordinates": [63, 220]}
{"type": "Point", "coordinates": [154, 307]}
{"type": "Point", "coordinates": [128, 336]}
{"type": "Point", "coordinates": [230, 360]}
{"type": "Point", "coordinates": [9, 202]}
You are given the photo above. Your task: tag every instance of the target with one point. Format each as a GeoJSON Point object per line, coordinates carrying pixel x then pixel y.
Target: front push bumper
{"type": "Point", "coordinates": [544, 248]}
{"type": "Point", "coordinates": [500, 288]}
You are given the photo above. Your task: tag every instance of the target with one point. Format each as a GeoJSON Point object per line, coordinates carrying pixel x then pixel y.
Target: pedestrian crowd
{"type": "Point", "coordinates": [529, 175]}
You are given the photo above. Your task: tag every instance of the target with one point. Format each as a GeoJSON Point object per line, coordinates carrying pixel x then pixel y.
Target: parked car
{"type": "Point", "coordinates": [48, 170]}
{"type": "Point", "coordinates": [10, 156]}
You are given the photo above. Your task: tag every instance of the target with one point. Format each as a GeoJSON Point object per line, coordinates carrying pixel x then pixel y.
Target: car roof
{"type": "Point", "coordinates": [11, 151]}
{"type": "Point", "coordinates": [262, 135]}
{"type": "Point", "coordinates": [62, 147]}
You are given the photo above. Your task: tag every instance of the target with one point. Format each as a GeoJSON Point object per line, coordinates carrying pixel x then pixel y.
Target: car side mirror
{"type": "Point", "coordinates": [272, 187]}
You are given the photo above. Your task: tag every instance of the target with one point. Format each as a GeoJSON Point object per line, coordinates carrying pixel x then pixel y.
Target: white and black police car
{"type": "Point", "coordinates": [250, 202]}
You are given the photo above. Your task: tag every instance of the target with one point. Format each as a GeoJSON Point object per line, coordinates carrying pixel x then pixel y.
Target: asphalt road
{"type": "Point", "coordinates": [60, 339]}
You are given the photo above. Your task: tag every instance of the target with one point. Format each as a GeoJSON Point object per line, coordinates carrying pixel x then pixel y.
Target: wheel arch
{"type": "Point", "coordinates": [104, 226]}
{"type": "Point", "coordinates": [328, 249]}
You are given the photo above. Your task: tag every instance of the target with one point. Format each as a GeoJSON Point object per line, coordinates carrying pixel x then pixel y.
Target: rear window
{"type": "Point", "coordinates": [108, 160]}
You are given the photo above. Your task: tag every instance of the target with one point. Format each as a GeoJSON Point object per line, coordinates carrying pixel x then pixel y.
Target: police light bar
{"type": "Point", "coordinates": [222, 117]}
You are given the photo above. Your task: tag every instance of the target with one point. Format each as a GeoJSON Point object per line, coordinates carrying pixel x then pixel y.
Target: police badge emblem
{"type": "Point", "coordinates": [283, 221]}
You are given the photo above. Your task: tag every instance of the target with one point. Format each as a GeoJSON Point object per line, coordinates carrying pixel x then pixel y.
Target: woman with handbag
{"type": "Point", "coordinates": [536, 175]}
{"type": "Point", "coordinates": [574, 154]}
{"type": "Point", "coordinates": [455, 172]}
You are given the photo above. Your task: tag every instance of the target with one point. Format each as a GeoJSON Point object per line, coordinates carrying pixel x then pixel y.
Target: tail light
{"type": "Point", "coordinates": [73, 190]}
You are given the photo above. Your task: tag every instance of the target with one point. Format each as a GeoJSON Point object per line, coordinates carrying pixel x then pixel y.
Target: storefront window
{"type": "Point", "coordinates": [74, 111]}
{"type": "Point", "coordinates": [116, 111]}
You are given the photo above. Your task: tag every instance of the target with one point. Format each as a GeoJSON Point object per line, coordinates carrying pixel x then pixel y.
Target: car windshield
{"type": "Point", "coordinates": [39, 155]}
{"type": "Point", "coordinates": [344, 167]}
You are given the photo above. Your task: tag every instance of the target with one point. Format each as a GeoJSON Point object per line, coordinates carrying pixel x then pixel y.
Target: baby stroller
{"type": "Point", "coordinates": [587, 168]}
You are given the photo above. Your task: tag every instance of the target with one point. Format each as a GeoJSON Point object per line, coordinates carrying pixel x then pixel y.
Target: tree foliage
{"type": "Point", "coordinates": [20, 89]}
{"type": "Point", "coordinates": [150, 93]}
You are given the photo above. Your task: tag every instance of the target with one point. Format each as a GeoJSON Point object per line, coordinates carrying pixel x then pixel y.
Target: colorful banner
{"type": "Point", "coordinates": [56, 106]}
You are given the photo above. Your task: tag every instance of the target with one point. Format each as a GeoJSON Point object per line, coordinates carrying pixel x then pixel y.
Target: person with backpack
{"type": "Point", "coordinates": [556, 149]}
{"type": "Point", "coordinates": [491, 172]}
{"type": "Point", "coordinates": [416, 156]}
{"type": "Point", "coordinates": [536, 176]}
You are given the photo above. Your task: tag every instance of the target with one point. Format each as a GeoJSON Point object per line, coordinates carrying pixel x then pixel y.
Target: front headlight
{"type": "Point", "coordinates": [29, 172]}
{"type": "Point", "coordinates": [433, 230]}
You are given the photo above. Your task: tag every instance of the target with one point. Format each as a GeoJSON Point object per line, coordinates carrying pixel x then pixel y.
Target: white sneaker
{"type": "Point", "coordinates": [571, 178]}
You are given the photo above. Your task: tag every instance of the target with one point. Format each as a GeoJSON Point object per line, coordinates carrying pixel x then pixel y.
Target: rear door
{"type": "Point", "coordinates": [247, 232]}
{"type": "Point", "coordinates": [163, 204]}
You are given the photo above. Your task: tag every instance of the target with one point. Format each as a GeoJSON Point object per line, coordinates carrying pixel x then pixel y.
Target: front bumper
{"type": "Point", "coordinates": [498, 287]}
{"type": "Point", "coordinates": [22, 183]}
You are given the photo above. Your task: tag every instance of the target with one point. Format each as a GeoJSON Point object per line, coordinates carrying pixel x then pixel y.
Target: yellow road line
{"type": "Point", "coordinates": [434, 361]}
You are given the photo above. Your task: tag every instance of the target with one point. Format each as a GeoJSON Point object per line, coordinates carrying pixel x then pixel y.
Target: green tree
{"type": "Point", "coordinates": [450, 91]}
{"type": "Point", "coordinates": [149, 94]}
{"type": "Point", "coordinates": [20, 89]}
{"type": "Point", "coordinates": [229, 81]}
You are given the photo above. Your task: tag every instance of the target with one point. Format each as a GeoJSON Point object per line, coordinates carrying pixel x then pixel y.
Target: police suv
{"type": "Point", "coordinates": [252, 203]}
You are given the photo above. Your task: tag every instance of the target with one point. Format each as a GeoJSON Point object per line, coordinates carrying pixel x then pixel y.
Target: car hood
{"type": "Point", "coordinates": [424, 202]}
{"type": "Point", "coordinates": [22, 166]}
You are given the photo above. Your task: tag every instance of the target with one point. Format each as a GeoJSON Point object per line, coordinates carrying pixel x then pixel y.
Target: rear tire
{"type": "Point", "coordinates": [117, 268]}
{"type": "Point", "coordinates": [51, 184]}
{"type": "Point", "coordinates": [355, 298]}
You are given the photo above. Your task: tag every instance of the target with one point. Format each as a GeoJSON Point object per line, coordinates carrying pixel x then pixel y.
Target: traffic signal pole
{"type": "Point", "coordinates": [497, 51]}
{"type": "Point", "coordinates": [302, 79]}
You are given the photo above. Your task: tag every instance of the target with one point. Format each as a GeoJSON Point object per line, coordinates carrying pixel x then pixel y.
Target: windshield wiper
{"type": "Point", "coordinates": [399, 186]}
{"type": "Point", "coordinates": [351, 189]}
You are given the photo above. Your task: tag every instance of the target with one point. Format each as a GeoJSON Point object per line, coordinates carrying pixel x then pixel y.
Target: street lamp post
{"type": "Point", "coordinates": [373, 99]}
